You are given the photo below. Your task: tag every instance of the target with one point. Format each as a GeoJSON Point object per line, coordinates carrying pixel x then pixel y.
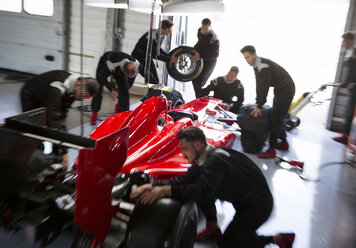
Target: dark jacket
{"type": "Point", "coordinates": [350, 79]}
{"type": "Point", "coordinates": [226, 174]}
{"type": "Point", "coordinates": [226, 91]}
{"type": "Point", "coordinates": [139, 51]}
{"type": "Point", "coordinates": [117, 60]}
{"type": "Point", "coordinates": [270, 74]}
{"type": "Point", "coordinates": [53, 90]}
{"type": "Point", "coordinates": [207, 45]}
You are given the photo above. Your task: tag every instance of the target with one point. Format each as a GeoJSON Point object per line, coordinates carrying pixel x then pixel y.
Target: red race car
{"type": "Point", "coordinates": [126, 150]}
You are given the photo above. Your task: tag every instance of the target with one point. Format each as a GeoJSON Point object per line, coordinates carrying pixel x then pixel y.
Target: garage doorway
{"type": "Point", "coordinates": [303, 36]}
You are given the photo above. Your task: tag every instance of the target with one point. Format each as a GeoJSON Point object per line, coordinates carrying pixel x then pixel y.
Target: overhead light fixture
{"type": "Point", "coordinates": [183, 7]}
{"type": "Point", "coordinates": [118, 4]}
{"type": "Point", "coordinates": [145, 6]}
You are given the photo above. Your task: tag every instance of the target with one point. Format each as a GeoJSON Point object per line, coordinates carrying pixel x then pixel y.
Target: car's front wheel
{"type": "Point", "coordinates": [166, 223]}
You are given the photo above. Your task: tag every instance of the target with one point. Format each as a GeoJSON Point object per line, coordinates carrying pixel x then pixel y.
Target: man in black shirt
{"type": "Point", "coordinates": [227, 88]}
{"type": "Point", "coordinates": [139, 51]}
{"type": "Point", "coordinates": [225, 174]}
{"type": "Point", "coordinates": [207, 48]}
{"type": "Point", "coordinates": [348, 40]}
{"type": "Point", "coordinates": [270, 74]}
{"type": "Point", "coordinates": [124, 69]}
{"type": "Point", "coordinates": [56, 90]}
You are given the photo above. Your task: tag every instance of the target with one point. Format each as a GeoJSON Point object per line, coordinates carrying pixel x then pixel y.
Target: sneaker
{"type": "Point", "coordinates": [211, 232]}
{"type": "Point", "coordinates": [94, 118]}
{"type": "Point", "coordinates": [284, 240]}
{"type": "Point", "coordinates": [284, 146]}
{"type": "Point", "coordinates": [343, 139]}
{"type": "Point", "coordinates": [117, 107]}
{"type": "Point", "coordinates": [270, 153]}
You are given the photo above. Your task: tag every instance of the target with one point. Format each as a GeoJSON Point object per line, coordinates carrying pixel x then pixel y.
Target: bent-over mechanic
{"type": "Point", "coordinates": [225, 174]}
{"type": "Point", "coordinates": [56, 90]}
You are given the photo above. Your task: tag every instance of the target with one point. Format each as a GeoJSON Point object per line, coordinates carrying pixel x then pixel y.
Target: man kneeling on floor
{"type": "Point", "coordinates": [225, 174]}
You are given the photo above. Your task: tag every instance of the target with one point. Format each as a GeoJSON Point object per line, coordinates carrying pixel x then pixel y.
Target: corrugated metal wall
{"type": "Point", "coordinates": [134, 26]}
{"type": "Point", "coordinates": [340, 96]}
{"type": "Point", "coordinates": [26, 40]}
{"type": "Point", "coordinates": [95, 29]}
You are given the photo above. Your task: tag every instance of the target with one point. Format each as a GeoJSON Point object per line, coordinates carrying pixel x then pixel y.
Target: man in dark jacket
{"type": "Point", "coordinates": [225, 174]}
{"type": "Point", "coordinates": [270, 74]}
{"type": "Point", "coordinates": [124, 69]}
{"type": "Point", "coordinates": [227, 88]}
{"type": "Point", "coordinates": [349, 82]}
{"type": "Point", "coordinates": [139, 51]}
{"type": "Point", "coordinates": [56, 90]}
{"type": "Point", "coordinates": [207, 47]}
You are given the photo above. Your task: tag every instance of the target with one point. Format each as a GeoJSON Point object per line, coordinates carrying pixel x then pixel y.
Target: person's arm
{"type": "Point", "coordinates": [198, 46]}
{"type": "Point", "coordinates": [263, 79]}
{"type": "Point", "coordinates": [148, 193]}
{"type": "Point", "coordinates": [55, 119]}
{"type": "Point", "coordinates": [214, 49]}
{"type": "Point", "coordinates": [240, 94]}
{"type": "Point", "coordinates": [153, 193]}
{"type": "Point", "coordinates": [210, 87]}
{"type": "Point", "coordinates": [54, 113]}
{"type": "Point", "coordinates": [102, 77]}
{"type": "Point", "coordinates": [351, 73]}
{"type": "Point", "coordinates": [203, 187]}
{"type": "Point", "coordinates": [163, 56]}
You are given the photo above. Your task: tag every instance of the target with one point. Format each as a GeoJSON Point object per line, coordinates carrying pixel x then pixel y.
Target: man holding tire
{"type": "Point", "coordinates": [225, 174]}
{"type": "Point", "coordinates": [207, 48]}
{"type": "Point", "coordinates": [139, 51]}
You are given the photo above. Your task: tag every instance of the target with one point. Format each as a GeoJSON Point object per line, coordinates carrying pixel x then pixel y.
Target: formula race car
{"type": "Point", "coordinates": [126, 150]}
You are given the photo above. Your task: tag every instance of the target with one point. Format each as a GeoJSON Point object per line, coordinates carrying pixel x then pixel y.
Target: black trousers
{"type": "Point", "coordinates": [241, 232]}
{"type": "Point", "coordinates": [123, 85]}
{"type": "Point", "coordinates": [154, 79]}
{"type": "Point", "coordinates": [281, 103]}
{"type": "Point", "coordinates": [204, 75]}
{"type": "Point", "coordinates": [350, 109]}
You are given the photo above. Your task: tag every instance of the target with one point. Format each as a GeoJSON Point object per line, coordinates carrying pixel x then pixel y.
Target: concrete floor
{"type": "Point", "coordinates": [319, 204]}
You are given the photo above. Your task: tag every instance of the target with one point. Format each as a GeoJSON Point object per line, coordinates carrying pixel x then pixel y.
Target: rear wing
{"type": "Point", "coordinates": [19, 137]}
{"type": "Point", "coordinates": [32, 124]}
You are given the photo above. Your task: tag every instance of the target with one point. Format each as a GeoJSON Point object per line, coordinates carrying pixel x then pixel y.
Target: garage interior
{"type": "Point", "coordinates": [319, 203]}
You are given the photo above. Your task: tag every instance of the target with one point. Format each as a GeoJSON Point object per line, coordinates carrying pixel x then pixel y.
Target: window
{"type": "Point", "coordinates": [12, 5]}
{"type": "Point", "coordinates": [33, 7]}
{"type": "Point", "coordinates": [39, 7]}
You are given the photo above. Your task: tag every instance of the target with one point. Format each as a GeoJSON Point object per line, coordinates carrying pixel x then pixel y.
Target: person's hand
{"type": "Point", "coordinates": [156, 192]}
{"type": "Point", "coordinates": [114, 95]}
{"type": "Point", "coordinates": [139, 190]}
{"type": "Point", "coordinates": [255, 111]}
{"type": "Point", "coordinates": [196, 56]}
{"type": "Point", "coordinates": [174, 59]}
{"type": "Point", "coordinates": [65, 161]}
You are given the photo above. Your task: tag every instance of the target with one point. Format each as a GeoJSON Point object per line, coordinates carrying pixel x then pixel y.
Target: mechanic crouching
{"type": "Point", "coordinates": [56, 90]}
{"type": "Point", "coordinates": [225, 174]}
{"type": "Point", "coordinates": [227, 88]}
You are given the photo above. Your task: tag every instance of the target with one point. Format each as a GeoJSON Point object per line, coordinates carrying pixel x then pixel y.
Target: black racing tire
{"type": "Point", "coordinates": [166, 223]}
{"type": "Point", "coordinates": [185, 228]}
{"type": "Point", "coordinates": [185, 69]}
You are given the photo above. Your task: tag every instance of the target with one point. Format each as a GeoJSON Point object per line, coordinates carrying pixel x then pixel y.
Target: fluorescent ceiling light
{"type": "Point", "coordinates": [145, 6]}
{"type": "Point", "coordinates": [118, 4]}
{"type": "Point", "coordinates": [183, 7]}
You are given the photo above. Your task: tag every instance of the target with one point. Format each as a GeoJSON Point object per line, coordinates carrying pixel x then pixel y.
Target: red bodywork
{"type": "Point", "coordinates": [154, 149]}
{"type": "Point", "coordinates": [149, 147]}
{"type": "Point", "coordinates": [97, 170]}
